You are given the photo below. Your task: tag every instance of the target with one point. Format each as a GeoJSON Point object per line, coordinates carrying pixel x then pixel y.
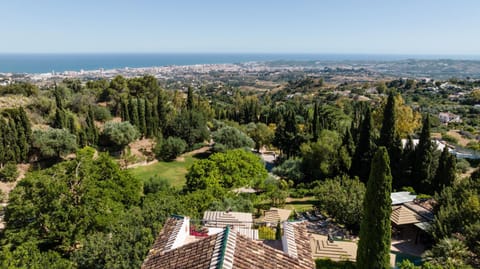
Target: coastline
{"type": "Point", "coordinates": [41, 63]}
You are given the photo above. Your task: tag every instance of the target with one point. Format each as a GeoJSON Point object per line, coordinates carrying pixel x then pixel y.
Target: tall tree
{"type": "Point", "coordinates": [445, 174]}
{"type": "Point", "coordinates": [287, 137]}
{"type": "Point", "coordinates": [60, 121]}
{"type": "Point", "coordinates": [142, 121]}
{"type": "Point", "coordinates": [364, 150]}
{"type": "Point", "coordinates": [190, 99]}
{"type": "Point", "coordinates": [390, 138]}
{"type": "Point", "coordinates": [133, 107]}
{"type": "Point", "coordinates": [422, 172]}
{"type": "Point", "coordinates": [406, 164]}
{"type": "Point", "coordinates": [388, 131]}
{"type": "Point", "coordinates": [375, 229]}
{"type": "Point", "coordinates": [315, 122]}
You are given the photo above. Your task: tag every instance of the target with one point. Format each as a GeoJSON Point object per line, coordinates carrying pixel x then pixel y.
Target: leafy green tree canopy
{"type": "Point", "coordinates": [53, 143]}
{"type": "Point", "coordinates": [231, 138]}
{"type": "Point", "coordinates": [119, 134]}
{"type": "Point", "coordinates": [233, 168]}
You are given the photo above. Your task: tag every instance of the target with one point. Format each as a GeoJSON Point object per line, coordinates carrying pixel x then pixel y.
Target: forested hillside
{"type": "Point", "coordinates": [78, 207]}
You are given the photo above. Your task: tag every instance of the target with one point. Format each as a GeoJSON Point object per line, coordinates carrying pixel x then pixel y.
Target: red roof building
{"type": "Point", "coordinates": [176, 248]}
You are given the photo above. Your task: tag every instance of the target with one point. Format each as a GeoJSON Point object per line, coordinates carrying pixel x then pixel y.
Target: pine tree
{"type": "Point", "coordinates": [445, 174]}
{"type": "Point", "coordinates": [375, 229]}
{"type": "Point", "coordinates": [364, 151]}
{"type": "Point", "coordinates": [422, 167]}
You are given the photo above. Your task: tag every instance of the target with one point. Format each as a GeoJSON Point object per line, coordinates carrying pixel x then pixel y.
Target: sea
{"type": "Point", "coordinates": [46, 63]}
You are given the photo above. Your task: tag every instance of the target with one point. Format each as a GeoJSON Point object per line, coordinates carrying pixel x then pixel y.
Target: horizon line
{"type": "Point", "coordinates": [247, 53]}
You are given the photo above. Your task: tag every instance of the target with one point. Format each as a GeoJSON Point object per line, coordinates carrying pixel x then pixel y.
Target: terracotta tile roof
{"type": "Point", "coordinates": [196, 255]}
{"type": "Point", "coordinates": [249, 254]}
{"type": "Point", "coordinates": [165, 234]}
{"type": "Point", "coordinates": [229, 249]}
{"type": "Point", "coordinates": [221, 219]}
{"type": "Point", "coordinates": [275, 215]}
{"type": "Point", "coordinates": [402, 215]}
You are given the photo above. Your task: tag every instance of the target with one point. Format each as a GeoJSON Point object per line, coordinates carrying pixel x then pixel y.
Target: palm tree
{"type": "Point", "coordinates": [448, 252]}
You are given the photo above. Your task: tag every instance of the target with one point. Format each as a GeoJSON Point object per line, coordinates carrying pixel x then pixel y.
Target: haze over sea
{"type": "Point", "coordinates": [44, 63]}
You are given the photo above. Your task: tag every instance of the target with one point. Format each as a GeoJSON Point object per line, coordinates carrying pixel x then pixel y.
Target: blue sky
{"type": "Point", "coordinates": [301, 26]}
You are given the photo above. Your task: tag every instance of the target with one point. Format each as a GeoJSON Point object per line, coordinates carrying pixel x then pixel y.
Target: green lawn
{"type": "Point", "coordinates": [300, 204]}
{"type": "Point", "coordinates": [173, 171]}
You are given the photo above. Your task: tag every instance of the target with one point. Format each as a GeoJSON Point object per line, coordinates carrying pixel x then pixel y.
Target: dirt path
{"type": "Point", "coordinates": [181, 158]}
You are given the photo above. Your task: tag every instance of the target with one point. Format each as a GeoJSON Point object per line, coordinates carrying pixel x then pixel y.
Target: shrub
{"type": "Point", "coordinates": [329, 264]}
{"type": "Point", "coordinates": [266, 233]}
{"type": "Point", "coordinates": [171, 148]}
{"type": "Point", "coordinates": [290, 169]}
{"type": "Point", "coordinates": [9, 173]}
{"type": "Point", "coordinates": [449, 138]}
{"type": "Point", "coordinates": [155, 184]}
{"type": "Point", "coordinates": [462, 165]}
{"type": "Point", "coordinates": [101, 113]}
{"type": "Point", "coordinates": [119, 134]}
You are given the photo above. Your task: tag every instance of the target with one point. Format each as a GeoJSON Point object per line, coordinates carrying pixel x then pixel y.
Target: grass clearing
{"type": "Point", "coordinates": [300, 204]}
{"type": "Point", "coordinates": [174, 171]}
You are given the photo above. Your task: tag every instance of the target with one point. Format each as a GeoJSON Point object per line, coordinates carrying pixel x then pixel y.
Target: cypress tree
{"type": "Point", "coordinates": [190, 99]}
{"type": "Point", "coordinates": [278, 232]}
{"type": "Point", "coordinates": [162, 110]}
{"type": "Point", "coordinates": [125, 110]}
{"type": "Point", "coordinates": [390, 139]}
{"type": "Point", "coordinates": [388, 131]}
{"type": "Point", "coordinates": [133, 107]}
{"type": "Point", "coordinates": [25, 123]}
{"type": "Point", "coordinates": [422, 167]}
{"type": "Point", "coordinates": [14, 144]}
{"type": "Point", "coordinates": [93, 127]}
{"type": "Point", "coordinates": [364, 151]}
{"type": "Point", "coordinates": [375, 229]}
{"type": "Point", "coordinates": [71, 124]}
{"type": "Point", "coordinates": [445, 174]}
{"type": "Point", "coordinates": [315, 122]}
{"type": "Point", "coordinates": [406, 164]}
{"type": "Point", "coordinates": [286, 135]}
{"type": "Point", "coordinates": [2, 138]}
{"type": "Point", "coordinates": [59, 122]}
{"type": "Point", "coordinates": [90, 134]}
{"type": "Point", "coordinates": [155, 119]}
{"type": "Point", "coordinates": [58, 98]}
{"type": "Point", "coordinates": [348, 142]}
{"type": "Point", "coordinates": [142, 117]}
